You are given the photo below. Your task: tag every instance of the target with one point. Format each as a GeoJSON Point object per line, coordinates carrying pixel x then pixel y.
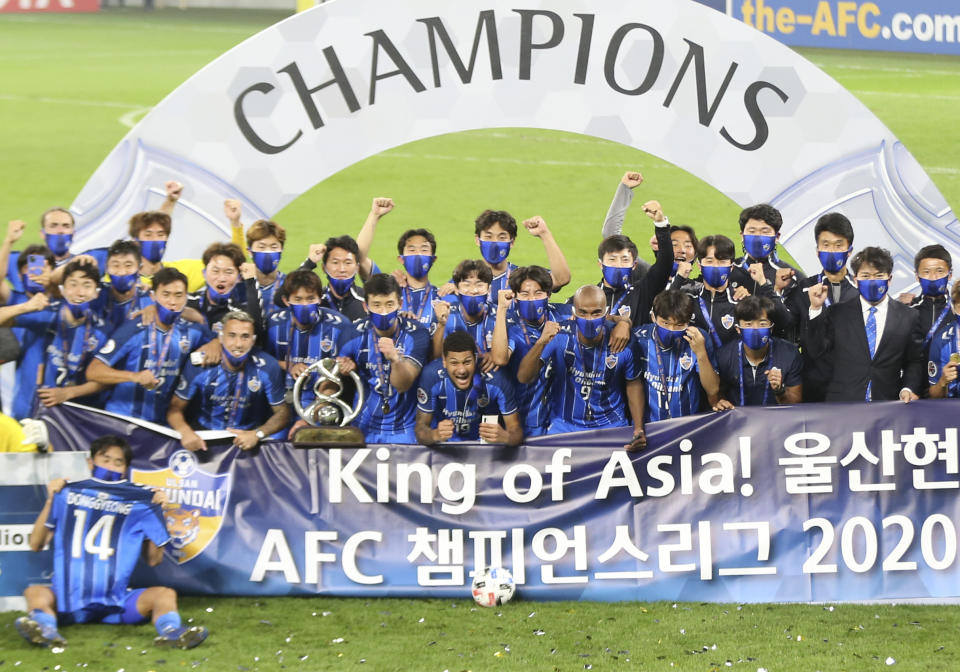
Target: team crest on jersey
{"type": "Point", "coordinates": [726, 321]}
{"type": "Point", "coordinates": [326, 345]}
{"type": "Point", "coordinates": [185, 343]}
{"type": "Point", "coordinates": [686, 361]}
{"type": "Point", "coordinates": [422, 395]}
{"type": "Point", "coordinates": [624, 311]}
{"type": "Point", "coordinates": [254, 384]}
{"type": "Point", "coordinates": [108, 347]}
{"type": "Point", "coordinates": [611, 361]}
{"type": "Point", "coordinates": [932, 369]}
{"type": "Point", "coordinates": [196, 503]}
{"type": "Point", "coordinates": [483, 401]}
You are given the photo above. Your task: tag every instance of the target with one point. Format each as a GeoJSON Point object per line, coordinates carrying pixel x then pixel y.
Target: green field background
{"type": "Point", "coordinates": [70, 83]}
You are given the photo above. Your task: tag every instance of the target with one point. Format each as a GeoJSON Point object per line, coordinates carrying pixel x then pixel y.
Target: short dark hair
{"type": "Point", "coordinates": [488, 218]}
{"type": "Point", "coordinates": [469, 267]}
{"type": "Point", "coordinates": [344, 243]}
{"type": "Point", "coordinates": [459, 341]}
{"type": "Point", "coordinates": [753, 308]}
{"type": "Point", "coordinates": [300, 279]}
{"type": "Point", "coordinates": [43, 217]}
{"type": "Point", "coordinates": [410, 233]}
{"type": "Point", "coordinates": [142, 220]}
{"type": "Point", "coordinates": [877, 257]}
{"type": "Point", "coordinates": [381, 284]}
{"type": "Point", "coordinates": [167, 275]}
{"type": "Point", "coordinates": [538, 274]}
{"type": "Point", "coordinates": [723, 247]}
{"type": "Point", "coordinates": [616, 243]}
{"type": "Point", "coordinates": [932, 252]}
{"type": "Point", "coordinates": [690, 232]}
{"type": "Point", "coordinates": [88, 269]}
{"type": "Point", "coordinates": [231, 251]}
{"type": "Point", "coordinates": [672, 303]}
{"type": "Point", "coordinates": [765, 213]}
{"type": "Point", "coordinates": [124, 247]}
{"type": "Point", "coordinates": [835, 223]}
{"type": "Point", "coordinates": [42, 250]}
{"type": "Point", "coordinates": [101, 444]}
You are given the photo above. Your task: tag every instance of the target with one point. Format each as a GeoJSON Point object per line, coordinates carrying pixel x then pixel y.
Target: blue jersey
{"type": "Point", "coordinates": [224, 399]}
{"type": "Point", "coordinates": [490, 394]}
{"type": "Point", "coordinates": [746, 385]}
{"type": "Point", "coordinates": [419, 304]}
{"type": "Point", "coordinates": [267, 295]}
{"type": "Point", "coordinates": [501, 281]}
{"type": "Point", "coordinates": [481, 331]}
{"type": "Point", "coordinates": [32, 352]}
{"type": "Point", "coordinates": [99, 529]}
{"type": "Point", "coordinates": [70, 348]}
{"type": "Point", "coordinates": [117, 312]}
{"type": "Point", "coordinates": [138, 347]}
{"type": "Point", "coordinates": [945, 342]}
{"type": "Point", "coordinates": [385, 410]}
{"type": "Point", "coordinates": [671, 377]}
{"type": "Point", "coordinates": [591, 381]}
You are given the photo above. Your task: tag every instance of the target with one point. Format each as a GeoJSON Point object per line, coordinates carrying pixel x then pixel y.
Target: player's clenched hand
{"type": "Point", "coordinates": [55, 486]}
{"type": "Point", "coordinates": [445, 289]}
{"type": "Point", "coordinates": [232, 210]}
{"type": "Point", "coordinates": [245, 439]}
{"type": "Point", "coordinates": [756, 273]}
{"type": "Point", "coordinates": [15, 230]}
{"type": "Point", "coordinates": [638, 442]}
{"type": "Point", "coordinates": [297, 369]}
{"type": "Point", "coordinates": [38, 301]}
{"type": "Point", "coordinates": [818, 296]}
{"type": "Point", "coordinates": [346, 365]}
{"type": "Point", "coordinates": [784, 278]}
{"type": "Point", "coordinates": [444, 430]}
{"type": "Point", "coordinates": [316, 252]}
{"type": "Point", "coordinates": [400, 276]}
{"type": "Point", "coordinates": [388, 349]}
{"type": "Point", "coordinates": [653, 210]}
{"type": "Point", "coordinates": [632, 179]}
{"type": "Point", "coordinates": [493, 432]}
{"type": "Point", "coordinates": [536, 226]}
{"type": "Point", "coordinates": [504, 298]}
{"type": "Point", "coordinates": [550, 329]}
{"type": "Point", "coordinates": [684, 268]}
{"type": "Point", "coordinates": [740, 293]}
{"type": "Point", "coordinates": [146, 379]}
{"type": "Point", "coordinates": [694, 337]}
{"type": "Point", "coordinates": [774, 377]}
{"type": "Point", "coordinates": [441, 310]}
{"type": "Point", "coordinates": [381, 206]}
{"type": "Point", "coordinates": [174, 190]}
{"type": "Point", "coordinates": [248, 270]}
{"type": "Point", "coordinates": [487, 364]}
{"type": "Point", "coordinates": [159, 496]}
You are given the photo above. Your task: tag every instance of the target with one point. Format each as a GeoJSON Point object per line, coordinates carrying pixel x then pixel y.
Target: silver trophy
{"type": "Point", "coordinates": [328, 415]}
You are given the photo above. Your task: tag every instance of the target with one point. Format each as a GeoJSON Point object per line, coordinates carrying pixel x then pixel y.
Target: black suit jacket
{"type": "Point", "coordinates": [839, 334]}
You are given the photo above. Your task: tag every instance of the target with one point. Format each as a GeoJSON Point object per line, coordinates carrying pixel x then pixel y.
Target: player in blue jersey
{"type": "Point", "coordinates": [244, 394]}
{"type": "Point", "coordinates": [944, 357]}
{"type": "Point", "coordinates": [758, 369]}
{"type": "Point", "coordinates": [676, 362]}
{"type": "Point", "coordinates": [390, 352]}
{"type": "Point", "coordinates": [474, 312]}
{"type": "Point", "coordinates": [123, 295]}
{"type": "Point", "coordinates": [10, 277]}
{"type": "Point", "coordinates": [142, 361]}
{"type": "Point", "coordinates": [529, 298]}
{"type": "Point", "coordinates": [99, 528]}
{"type": "Point", "coordinates": [265, 241]}
{"type": "Point", "coordinates": [458, 402]}
{"type": "Point", "coordinates": [596, 387]}
{"type": "Point", "coordinates": [71, 334]}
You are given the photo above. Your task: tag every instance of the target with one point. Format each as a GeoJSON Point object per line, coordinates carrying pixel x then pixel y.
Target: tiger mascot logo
{"type": "Point", "coordinates": [182, 524]}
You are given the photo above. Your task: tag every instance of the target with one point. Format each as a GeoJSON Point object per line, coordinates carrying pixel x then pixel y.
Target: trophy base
{"type": "Point", "coordinates": [328, 437]}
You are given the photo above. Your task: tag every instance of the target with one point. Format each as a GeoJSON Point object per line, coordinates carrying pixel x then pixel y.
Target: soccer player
{"type": "Point", "coordinates": [390, 352]}
{"type": "Point", "coordinates": [759, 232]}
{"type": "Point", "coordinates": [99, 528]}
{"type": "Point", "coordinates": [265, 241]}
{"type": "Point", "coordinates": [72, 333]}
{"type": "Point", "coordinates": [15, 229]}
{"type": "Point", "coordinates": [244, 394]}
{"type": "Point", "coordinates": [457, 402]}
{"type": "Point", "coordinates": [224, 290]}
{"type": "Point", "coordinates": [944, 354]}
{"type": "Point", "coordinates": [875, 344]}
{"type": "Point", "coordinates": [758, 369]}
{"type": "Point", "coordinates": [473, 314]}
{"type": "Point", "coordinates": [529, 297]}
{"type": "Point", "coordinates": [340, 264]}
{"type": "Point", "coordinates": [123, 295]}
{"type": "Point", "coordinates": [142, 361]}
{"type": "Point", "coordinates": [676, 361]}
{"type": "Point", "coordinates": [595, 385]}
{"type": "Point", "coordinates": [934, 268]}
{"type": "Point", "coordinates": [715, 301]}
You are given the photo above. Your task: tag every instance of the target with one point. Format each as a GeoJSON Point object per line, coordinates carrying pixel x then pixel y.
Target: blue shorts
{"type": "Point", "coordinates": [101, 613]}
{"type": "Point", "coordinates": [408, 437]}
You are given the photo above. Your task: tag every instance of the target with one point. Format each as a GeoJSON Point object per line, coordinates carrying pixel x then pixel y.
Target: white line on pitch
{"type": "Point", "coordinates": [133, 117]}
{"type": "Point", "coordinates": [67, 101]}
{"type": "Point", "coordinates": [901, 94]}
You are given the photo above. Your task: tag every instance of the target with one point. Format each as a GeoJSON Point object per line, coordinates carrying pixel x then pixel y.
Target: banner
{"type": "Point", "coordinates": [348, 79]}
{"type": "Point", "coordinates": [49, 6]}
{"type": "Point", "coordinates": [813, 502]}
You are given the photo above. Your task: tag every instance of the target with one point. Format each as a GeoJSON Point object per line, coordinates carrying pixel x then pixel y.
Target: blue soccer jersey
{"type": "Point", "coordinates": [115, 312]}
{"type": "Point", "coordinates": [138, 347]}
{"type": "Point", "coordinates": [482, 330]}
{"type": "Point", "coordinates": [99, 529]}
{"type": "Point", "coordinates": [490, 394]}
{"type": "Point", "coordinates": [387, 412]}
{"type": "Point", "coordinates": [267, 295]}
{"type": "Point", "coordinates": [32, 351]}
{"type": "Point", "coordinates": [671, 377]}
{"type": "Point", "coordinates": [501, 281]}
{"type": "Point", "coordinates": [418, 302]}
{"type": "Point", "coordinates": [70, 349]}
{"type": "Point", "coordinates": [945, 342]}
{"type": "Point", "coordinates": [746, 385]}
{"type": "Point", "coordinates": [591, 381]}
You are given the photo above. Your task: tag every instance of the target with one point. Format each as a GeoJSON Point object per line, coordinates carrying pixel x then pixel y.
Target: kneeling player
{"type": "Point", "coordinates": [99, 527]}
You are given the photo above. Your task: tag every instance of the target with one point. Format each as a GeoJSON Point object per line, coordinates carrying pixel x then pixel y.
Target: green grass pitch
{"type": "Point", "coordinates": [71, 82]}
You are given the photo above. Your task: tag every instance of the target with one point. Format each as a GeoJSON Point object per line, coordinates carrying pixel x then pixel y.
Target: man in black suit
{"type": "Point", "coordinates": [875, 345]}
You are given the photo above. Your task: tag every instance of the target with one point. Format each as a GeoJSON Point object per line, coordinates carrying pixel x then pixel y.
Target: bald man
{"type": "Point", "coordinates": [595, 386]}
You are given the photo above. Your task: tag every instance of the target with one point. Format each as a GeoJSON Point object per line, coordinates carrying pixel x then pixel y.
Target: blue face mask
{"type": "Point", "coordinates": [31, 286]}
{"type": "Point", "coordinates": [216, 296]}
{"type": "Point", "coordinates": [266, 262]}
{"type": "Point", "coordinates": [123, 283]}
{"type": "Point", "coordinates": [874, 289]}
{"type": "Point", "coordinates": [936, 287]}
{"type": "Point", "coordinates": [307, 314]}
{"type": "Point", "coordinates": [165, 315]}
{"type": "Point", "coordinates": [590, 327]}
{"type": "Point", "coordinates": [59, 243]}
{"type": "Point", "coordinates": [755, 338]}
{"type": "Point", "coordinates": [341, 285]}
{"type": "Point", "coordinates": [235, 361]}
{"type": "Point", "coordinates": [104, 474]}
{"type": "Point", "coordinates": [418, 265]}
{"type": "Point", "coordinates": [616, 277]}
{"type": "Point", "coordinates": [473, 305]}
{"type": "Point", "coordinates": [152, 250]}
{"type": "Point", "coordinates": [494, 251]}
{"type": "Point", "coordinates": [384, 321]}
{"type": "Point", "coordinates": [78, 310]}
{"type": "Point", "coordinates": [833, 262]}
{"type": "Point", "coordinates": [532, 311]}
{"type": "Point", "coordinates": [715, 276]}
{"type": "Point", "coordinates": [759, 247]}
{"type": "Point", "coordinates": [669, 337]}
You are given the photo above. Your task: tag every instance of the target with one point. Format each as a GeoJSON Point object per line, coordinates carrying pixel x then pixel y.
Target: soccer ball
{"type": "Point", "coordinates": [493, 586]}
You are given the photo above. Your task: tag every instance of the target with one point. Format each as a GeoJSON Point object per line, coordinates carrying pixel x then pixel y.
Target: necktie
{"type": "Point", "coordinates": [871, 341]}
